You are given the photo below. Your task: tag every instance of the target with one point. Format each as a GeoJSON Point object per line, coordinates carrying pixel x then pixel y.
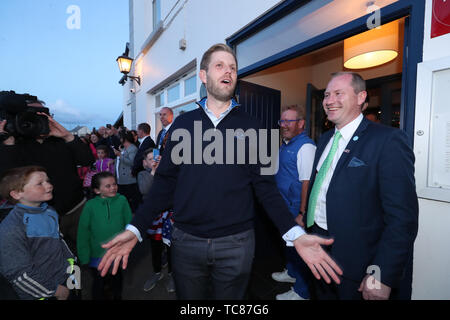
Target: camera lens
{"type": "Point", "coordinates": [29, 124]}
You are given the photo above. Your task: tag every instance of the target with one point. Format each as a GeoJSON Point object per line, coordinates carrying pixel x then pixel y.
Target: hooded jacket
{"type": "Point", "coordinates": [100, 221]}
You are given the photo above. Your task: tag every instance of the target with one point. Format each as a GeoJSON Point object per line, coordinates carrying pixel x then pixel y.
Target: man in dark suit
{"type": "Point", "coordinates": [145, 142]}
{"type": "Point", "coordinates": [166, 117]}
{"type": "Point", "coordinates": [362, 194]}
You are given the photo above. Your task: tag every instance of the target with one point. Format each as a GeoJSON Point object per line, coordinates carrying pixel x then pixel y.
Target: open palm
{"type": "Point", "coordinates": [310, 250]}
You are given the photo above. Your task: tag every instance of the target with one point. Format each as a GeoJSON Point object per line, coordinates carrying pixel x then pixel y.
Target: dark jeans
{"type": "Point", "coordinates": [157, 250]}
{"type": "Point", "coordinates": [108, 287]}
{"type": "Point", "coordinates": [216, 268]}
{"type": "Point", "coordinates": [131, 192]}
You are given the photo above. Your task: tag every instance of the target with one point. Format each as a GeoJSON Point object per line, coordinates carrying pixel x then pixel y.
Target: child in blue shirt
{"type": "Point", "coordinates": [33, 256]}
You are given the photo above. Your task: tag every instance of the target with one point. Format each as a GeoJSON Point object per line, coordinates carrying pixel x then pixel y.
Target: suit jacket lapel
{"type": "Point", "coordinates": [321, 146]}
{"type": "Point", "coordinates": [351, 147]}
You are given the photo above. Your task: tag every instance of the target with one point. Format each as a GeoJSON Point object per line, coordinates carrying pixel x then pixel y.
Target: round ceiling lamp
{"type": "Point", "coordinates": [372, 48]}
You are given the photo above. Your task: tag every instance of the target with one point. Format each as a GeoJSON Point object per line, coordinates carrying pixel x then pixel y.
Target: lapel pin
{"type": "Point", "coordinates": [346, 150]}
{"type": "Point", "coordinates": [355, 138]}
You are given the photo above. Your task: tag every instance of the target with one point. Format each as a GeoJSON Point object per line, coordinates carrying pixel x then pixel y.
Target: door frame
{"type": "Point", "coordinates": [310, 117]}
{"type": "Point", "coordinates": [414, 10]}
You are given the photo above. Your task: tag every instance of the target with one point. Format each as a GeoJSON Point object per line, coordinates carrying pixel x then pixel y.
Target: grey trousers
{"type": "Point", "coordinates": [216, 268]}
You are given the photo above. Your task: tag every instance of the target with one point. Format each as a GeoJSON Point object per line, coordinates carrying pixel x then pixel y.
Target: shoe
{"type": "Point", "coordinates": [283, 276]}
{"type": "Point", "coordinates": [170, 285]}
{"type": "Point", "coordinates": [150, 283]}
{"type": "Point", "coordinates": [290, 295]}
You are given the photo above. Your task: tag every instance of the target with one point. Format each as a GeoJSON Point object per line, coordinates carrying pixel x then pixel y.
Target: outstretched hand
{"type": "Point", "coordinates": [310, 250]}
{"type": "Point", "coordinates": [119, 249]}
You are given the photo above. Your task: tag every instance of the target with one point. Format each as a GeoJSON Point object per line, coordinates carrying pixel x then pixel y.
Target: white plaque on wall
{"type": "Point", "coordinates": [439, 166]}
{"type": "Point", "coordinates": [432, 130]}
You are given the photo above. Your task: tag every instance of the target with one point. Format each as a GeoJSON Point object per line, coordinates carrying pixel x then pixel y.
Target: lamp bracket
{"type": "Point", "coordinates": [137, 79]}
{"type": "Point", "coordinates": [125, 77]}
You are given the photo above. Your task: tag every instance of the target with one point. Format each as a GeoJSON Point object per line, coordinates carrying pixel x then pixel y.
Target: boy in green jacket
{"type": "Point", "coordinates": [102, 218]}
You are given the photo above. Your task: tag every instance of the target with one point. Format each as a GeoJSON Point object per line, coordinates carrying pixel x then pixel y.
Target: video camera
{"type": "Point", "coordinates": [21, 119]}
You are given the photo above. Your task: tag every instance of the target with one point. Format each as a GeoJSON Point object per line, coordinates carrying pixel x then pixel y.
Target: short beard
{"type": "Point", "coordinates": [217, 93]}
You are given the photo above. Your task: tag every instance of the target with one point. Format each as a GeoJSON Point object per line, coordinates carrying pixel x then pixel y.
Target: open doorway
{"type": "Point", "coordinates": [302, 80]}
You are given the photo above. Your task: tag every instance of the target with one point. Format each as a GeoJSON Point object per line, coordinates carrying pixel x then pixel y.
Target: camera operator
{"type": "Point", "coordinates": [49, 145]}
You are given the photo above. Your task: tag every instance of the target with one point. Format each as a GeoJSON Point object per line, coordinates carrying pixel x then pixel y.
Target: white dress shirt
{"type": "Point", "coordinates": [320, 215]}
{"type": "Point", "coordinates": [216, 120]}
{"type": "Point", "coordinates": [168, 126]}
{"type": "Point", "coordinates": [141, 140]}
{"type": "Point", "coordinates": [305, 161]}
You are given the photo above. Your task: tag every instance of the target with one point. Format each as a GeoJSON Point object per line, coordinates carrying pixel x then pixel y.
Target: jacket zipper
{"type": "Point", "coordinates": [207, 117]}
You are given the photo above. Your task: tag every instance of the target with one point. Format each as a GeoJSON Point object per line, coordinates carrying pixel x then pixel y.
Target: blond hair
{"type": "Point", "coordinates": [206, 58]}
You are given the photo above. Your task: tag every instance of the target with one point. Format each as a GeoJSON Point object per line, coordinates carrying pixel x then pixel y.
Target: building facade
{"type": "Point", "coordinates": [286, 51]}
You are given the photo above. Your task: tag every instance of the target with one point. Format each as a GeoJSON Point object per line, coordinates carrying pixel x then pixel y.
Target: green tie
{"type": "Point", "coordinates": [319, 179]}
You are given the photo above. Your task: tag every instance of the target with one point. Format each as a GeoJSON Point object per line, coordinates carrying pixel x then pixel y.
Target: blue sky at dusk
{"type": "Point", "coordinates": [73, 70]}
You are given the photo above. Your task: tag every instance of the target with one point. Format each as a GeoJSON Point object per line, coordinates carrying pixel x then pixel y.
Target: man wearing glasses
{"type": "Point", "coordinates": [296, 161]}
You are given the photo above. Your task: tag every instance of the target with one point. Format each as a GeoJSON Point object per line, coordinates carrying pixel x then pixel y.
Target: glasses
{"type": "Point", "coordinates": [281, 122]}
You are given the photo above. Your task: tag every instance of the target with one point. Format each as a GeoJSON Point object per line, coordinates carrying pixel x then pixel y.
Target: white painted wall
{"type": "Point", "coordinates": [201, 22]}
{"type": "Point", "coordinates": [143, 22]}
{"type": "Point", "coordinates": [431, 278]}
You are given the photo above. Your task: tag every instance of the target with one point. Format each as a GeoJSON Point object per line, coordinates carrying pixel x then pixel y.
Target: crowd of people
{"type": "Point", "coordinates": [98, 174]}
{"type": "Point", "coordinates": [342, 206]}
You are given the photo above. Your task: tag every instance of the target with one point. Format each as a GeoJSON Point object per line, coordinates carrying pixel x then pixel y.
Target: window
{"type": "Point", "coordinates": [159, 100]}
{"type": "Point", "coordinates": [190, 85]}
{"type": "Point", "coordinates": [184, 108]}
{"type": "Point", "coordinates": [173, 93]}
{"type": "Point", "coordinates": [156, 13]}
{"type": "Point", "coordinates": [179, 95]}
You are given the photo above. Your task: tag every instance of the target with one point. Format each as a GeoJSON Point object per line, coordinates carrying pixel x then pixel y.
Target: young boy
{"type": "Point", "coordinates": [159, 230]}
{"type": "Point", "coordinates": [33, 256]}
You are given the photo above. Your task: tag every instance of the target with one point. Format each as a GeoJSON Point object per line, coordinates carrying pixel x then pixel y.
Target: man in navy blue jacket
{"type": "Point", "coordinates": [213, 236]}
{"type": "Point", "coordinates": [366, 199]}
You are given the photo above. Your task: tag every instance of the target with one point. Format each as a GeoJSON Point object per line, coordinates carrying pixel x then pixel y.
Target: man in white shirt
{"type": "Point", "coordinates": [296, 159]}
{"type": "Point", "coordinates": [363, 196]}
